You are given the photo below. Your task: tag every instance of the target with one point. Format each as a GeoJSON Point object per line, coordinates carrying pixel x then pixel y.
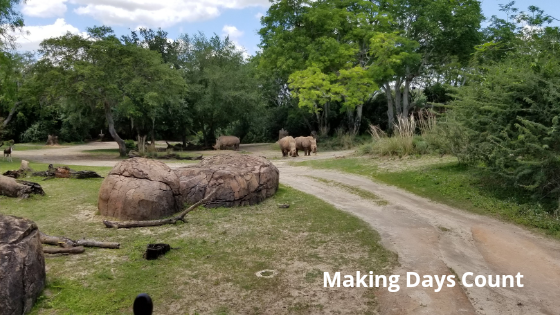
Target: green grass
{"type": "Point", "coordinates": [212, 271]}
{"type": "Point", "coordinates": [466, 187]}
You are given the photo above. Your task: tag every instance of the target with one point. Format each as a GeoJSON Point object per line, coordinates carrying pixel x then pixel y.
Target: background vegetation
{"type": "Point", "coordinates": [420, 76]}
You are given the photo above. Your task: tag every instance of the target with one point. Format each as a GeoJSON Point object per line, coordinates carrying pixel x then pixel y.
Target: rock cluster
{"type": "Point", "coordinates": [143, 189]}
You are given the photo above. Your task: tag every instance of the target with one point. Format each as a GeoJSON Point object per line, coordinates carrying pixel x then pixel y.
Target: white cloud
{"type": "Point", "coordinates": [44, 8]}
{"type": "Point", "coordinates": [36, 34]}
{"type": "Point", "coordinates": [232, 32]}
{"type": "Point", "coordinates": [234, 35]}
{"type": "Point", "coordinates": [259, 16]}
{"type": "Point", "coordinates": [158, 13]}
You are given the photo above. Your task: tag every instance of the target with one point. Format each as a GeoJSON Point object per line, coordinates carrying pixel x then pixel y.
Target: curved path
{"type": "Point", "coordinates": [434, 239]}
{"type": "Point", "coordinates": [429, 238]}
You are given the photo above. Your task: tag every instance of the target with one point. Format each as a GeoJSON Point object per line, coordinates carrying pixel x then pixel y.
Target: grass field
{"type": "Point", "coordinates": [466, 187]}
{"type": "Point", "coordinates": [212, 270]}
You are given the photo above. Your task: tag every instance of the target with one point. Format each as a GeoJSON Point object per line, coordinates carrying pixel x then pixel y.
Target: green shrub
{"type": "Point", "coordinates": [511, 110]}
{"type": "Point", "coordinates": [36, 133]}
{"type": "Point", "coordinates": [130, 145]}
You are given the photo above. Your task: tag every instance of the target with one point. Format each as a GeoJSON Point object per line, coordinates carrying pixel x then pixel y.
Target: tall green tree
{"type": "Point", "coordinates": [321, 48]}
{"type": "Point", "coordinates": [10, 22]}
{"type": "Point", "coordinates": [510, 107]}
{"type": "Point", "coordinates": [101, 71]}
{"type": "Point", "coordinates": [222, 86]}
{"type": "Point", "coordinates": [436, 35]}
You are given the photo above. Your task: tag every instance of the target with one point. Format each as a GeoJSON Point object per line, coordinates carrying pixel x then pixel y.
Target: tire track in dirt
{"type": "Point", "coordinates": [434, 239]}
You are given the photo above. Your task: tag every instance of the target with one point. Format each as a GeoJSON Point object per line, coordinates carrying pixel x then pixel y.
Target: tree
{"type": "Point", "coordinates": [435, 35]}
{"type": "Point", "coordinates": [14, 71]}
{"type": "Point", "coordinates": [10, 22]}
{"type": "Point", "coordinates": [100, 71]}
{"type": "Point", "coordinates": [321, 49]}
{"type": "Point", "coordinates": [509, 107]}
{"type": "Point", "coordinates": [222, 87]}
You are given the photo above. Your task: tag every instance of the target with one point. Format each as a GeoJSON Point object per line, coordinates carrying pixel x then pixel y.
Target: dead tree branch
{"type": "Point", "coordinates": [173, 220]}
{"type": "Point", "coordinates": [63, 250]}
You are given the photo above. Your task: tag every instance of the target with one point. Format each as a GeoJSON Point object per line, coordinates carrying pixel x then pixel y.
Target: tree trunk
{"type": "Point", "coordinates": [153, 141]}
{"type": "Point", "coordinates": [18, 189]}
{"type": "Point", "coordinates": [112, 131]}
{"type": "Point", "coordinates": [184, 140]}
{"type": "Point", "coordinates": [11, 114]}
{"type": "Point", "coordinates": [141, 144]}
{"type": "Point", "coordinates": [398, 97]}
{"type": "Point", "coordinates": [350, 118]}
{"type": "Point", "coordinates": [358, 119]}
{"type": "Point", "coordinates": [172, 220]}
{"type": "Point", "coordinates": [390, 112]}
{"type": "Point", "coordinates": [406, 97]}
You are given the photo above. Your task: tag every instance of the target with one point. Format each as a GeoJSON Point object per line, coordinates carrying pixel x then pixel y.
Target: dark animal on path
{"type": "Point", "coordinates": [8, 153]}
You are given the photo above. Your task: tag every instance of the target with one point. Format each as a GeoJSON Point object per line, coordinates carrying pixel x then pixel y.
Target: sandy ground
{"type": "Point", "coordinates": [429, 238]}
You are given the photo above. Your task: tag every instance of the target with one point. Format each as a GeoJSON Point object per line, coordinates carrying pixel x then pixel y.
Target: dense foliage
{"type": "Point", "coordinates": [510, 106]}
{"type": "Point", "coordinates": [342, 68]}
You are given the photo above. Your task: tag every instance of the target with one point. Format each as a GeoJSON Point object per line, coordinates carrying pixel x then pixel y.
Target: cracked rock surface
{"type": "Point", "coordinates": [240, 180]}
{"type": "Point", "coordinates": [22, 265]}
{"type": "Point", "coordinates": [139, 189]}
{"type": "Point", "coordinates": [144, 189]}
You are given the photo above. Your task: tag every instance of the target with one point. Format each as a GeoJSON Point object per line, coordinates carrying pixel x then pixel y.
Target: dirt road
{"type": "Point", "coordinates": [433, 239]}
{"type": "Point", "coordinates": [429, 238]}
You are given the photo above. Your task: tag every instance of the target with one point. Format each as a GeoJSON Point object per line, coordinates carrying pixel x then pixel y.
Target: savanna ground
{"type": "Point", "coordinates": [220, 250]}
{"type": "Point", "coordinates": [212, 271]}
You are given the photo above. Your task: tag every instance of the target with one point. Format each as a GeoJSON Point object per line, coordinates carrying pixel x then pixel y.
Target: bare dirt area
{"type": "Point", "coordinates": [429, 238]}
{"type": "Point", "coordinates": [78, 154]}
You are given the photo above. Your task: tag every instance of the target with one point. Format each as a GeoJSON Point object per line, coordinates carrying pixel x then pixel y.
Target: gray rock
{"type": "Point", "coordinates": [22, 265]}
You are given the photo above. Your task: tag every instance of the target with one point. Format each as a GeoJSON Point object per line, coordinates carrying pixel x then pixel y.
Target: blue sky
{"type": "Point", "coordinates": [237, 18]}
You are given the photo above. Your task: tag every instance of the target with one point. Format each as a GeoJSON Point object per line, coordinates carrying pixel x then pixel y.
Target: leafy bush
{"type": "Point", "coordinates": [36, 133]}
{"type": "Point", "coordinates": [512, 114]}
{"type": "Point", "coordinates": [130, 145]}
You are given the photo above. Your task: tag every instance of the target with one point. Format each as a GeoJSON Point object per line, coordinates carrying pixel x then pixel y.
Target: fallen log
{"type": "Point", "coordinates": [68, 243]}
{"type": "Point", "coordinates": [63, 250]}
{"type": "Point", "coordinates": [173, 220]}
{"type": "Point", "coordinates": [11, 187]}
{"type": "Point", "coordinates": [66, 172]}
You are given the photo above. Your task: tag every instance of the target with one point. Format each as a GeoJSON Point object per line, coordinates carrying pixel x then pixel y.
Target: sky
{"type": "Point", "coordinates": [239, 19]}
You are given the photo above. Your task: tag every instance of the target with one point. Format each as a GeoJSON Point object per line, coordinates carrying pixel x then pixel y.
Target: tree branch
{"type": "Point", "coordinates": [173, 220]}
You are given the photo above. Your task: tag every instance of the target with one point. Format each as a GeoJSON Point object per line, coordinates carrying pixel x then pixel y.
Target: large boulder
{"type": "Point", "coordinates": [22, 265]}
{"type": "Point", "coordinates": [139, 189]}
{"type": "Point", "coordinates": [239, 180]}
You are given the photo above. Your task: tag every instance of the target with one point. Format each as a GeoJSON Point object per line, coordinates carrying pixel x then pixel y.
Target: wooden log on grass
{"type": "Point", "coordinates": [18, 188]}
{"type": "Point", "coordinates": [68, 243]}
{"type": "Point", "coordinates": [172, 220]}
{"type": "Point", "coordinates": [64, 250]}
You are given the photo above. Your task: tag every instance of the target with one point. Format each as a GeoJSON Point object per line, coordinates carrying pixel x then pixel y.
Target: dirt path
{"type": "Point", "coordinates": [433, 239]}
{"type": "Point", "coordinates": [429, 238]}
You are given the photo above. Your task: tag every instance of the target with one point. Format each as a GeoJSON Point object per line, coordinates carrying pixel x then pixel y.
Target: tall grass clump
{"type": "Point", "coordinates": [401, 143]}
